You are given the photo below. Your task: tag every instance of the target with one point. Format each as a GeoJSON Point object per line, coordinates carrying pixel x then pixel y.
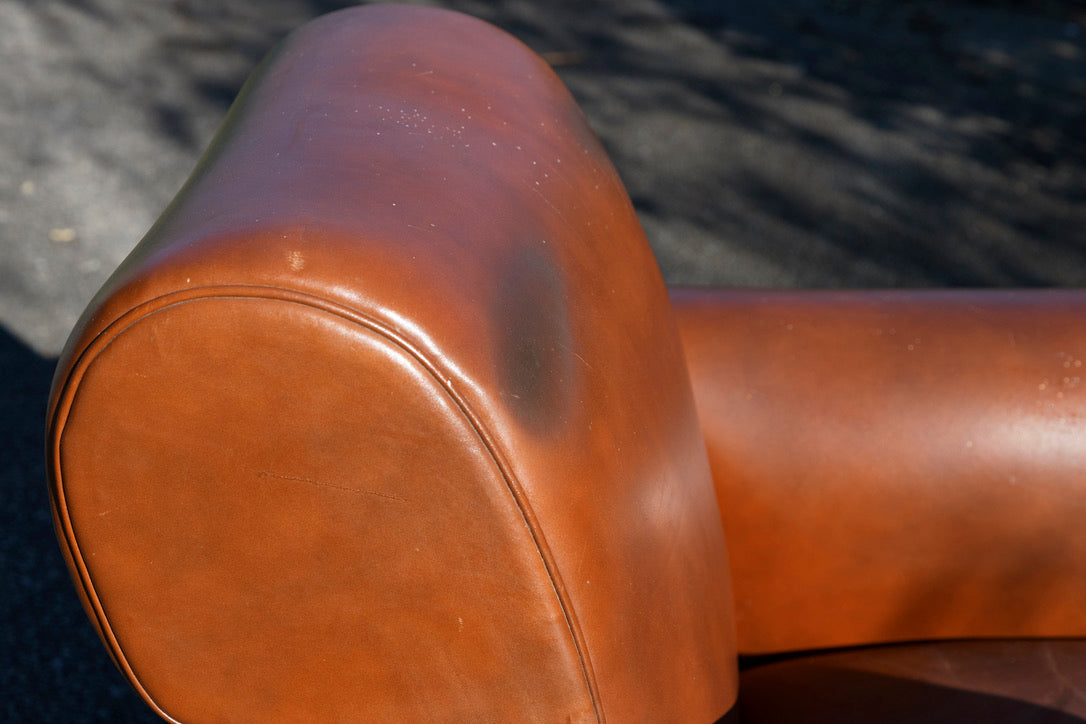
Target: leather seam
{"type": "Point", "coordinates": [118, 326]}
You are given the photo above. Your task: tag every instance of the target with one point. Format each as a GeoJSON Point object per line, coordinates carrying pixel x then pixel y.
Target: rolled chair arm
{"type": "Point", "coordinates": [896, 466]}
{"type": "Point", "coordinates": [361, 430]}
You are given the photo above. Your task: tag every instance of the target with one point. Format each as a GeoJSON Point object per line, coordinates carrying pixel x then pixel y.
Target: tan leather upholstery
{"type": "Point", "coordinates": [895, 466]}
{"type": "Point", "coordinates": [389, 418]}
{"type": "Point", "coordinates": [349, 436]}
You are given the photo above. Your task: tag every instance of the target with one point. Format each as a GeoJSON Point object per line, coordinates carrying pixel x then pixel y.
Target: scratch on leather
{"type": "Point", "coordinates": [333, 486]}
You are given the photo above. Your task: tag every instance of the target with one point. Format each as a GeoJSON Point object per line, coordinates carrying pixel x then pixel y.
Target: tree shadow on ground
{"type": "Point", "coordinates": [915, 143]}
{"type": "Point", "coordinates": [832, 142]}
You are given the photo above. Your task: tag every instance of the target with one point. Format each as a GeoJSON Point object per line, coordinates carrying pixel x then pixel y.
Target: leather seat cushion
{"type": "Point", "coordinates": [971, 681]}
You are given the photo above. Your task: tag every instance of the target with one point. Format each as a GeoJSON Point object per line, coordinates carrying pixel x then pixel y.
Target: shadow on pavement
{"type": "Point", "coordinates": [796, 143]}
{"type": "Point", "coordinates": [956, 133]}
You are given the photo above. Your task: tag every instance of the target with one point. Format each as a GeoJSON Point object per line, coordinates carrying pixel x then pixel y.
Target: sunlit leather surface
{"type": "Point", "coordinates": [389, 418]}
{"type": "Point", "coordinates": [918, 457]}
{"type": "Point", "coordinates": [427, 466]}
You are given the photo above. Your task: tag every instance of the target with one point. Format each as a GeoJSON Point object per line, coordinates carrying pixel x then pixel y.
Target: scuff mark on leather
{"type": "Point", "coordinates": [535, 358]}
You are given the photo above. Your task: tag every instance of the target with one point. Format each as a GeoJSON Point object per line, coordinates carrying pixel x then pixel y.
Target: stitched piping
{"type": "Point", "coordinates": [117, 327]}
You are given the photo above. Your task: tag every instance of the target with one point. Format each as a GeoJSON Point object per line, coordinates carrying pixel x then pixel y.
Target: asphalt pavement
{"type": "Point", "coordinates": [810, 143]}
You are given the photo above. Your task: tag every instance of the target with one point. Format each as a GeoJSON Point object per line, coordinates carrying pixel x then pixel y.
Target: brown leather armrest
{"type": "Point", "coordinates": [386, 418]}
{"type": "Point", "coordinates": [896, 465]}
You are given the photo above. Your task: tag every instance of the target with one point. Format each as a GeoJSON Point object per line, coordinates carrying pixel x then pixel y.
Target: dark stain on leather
{"type": "Point", "coordinates": [535, 348]}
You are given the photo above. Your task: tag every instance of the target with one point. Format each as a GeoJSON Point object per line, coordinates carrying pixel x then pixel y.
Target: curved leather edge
{"type": "Point", "coordinates": [422, 169]}
{"type": "Point", "coordinates": [70, 388]}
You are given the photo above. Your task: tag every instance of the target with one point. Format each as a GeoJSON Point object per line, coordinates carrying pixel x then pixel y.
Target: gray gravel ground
{"type": "Point", "coordinates": [803, 143]}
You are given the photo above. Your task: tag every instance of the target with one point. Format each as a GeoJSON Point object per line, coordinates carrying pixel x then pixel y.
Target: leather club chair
{"type": "Point", "coordinates": [390, 417]}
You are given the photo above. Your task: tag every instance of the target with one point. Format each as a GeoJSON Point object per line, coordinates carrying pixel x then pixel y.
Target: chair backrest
{"type": "Point", "coordinates": [387, 417]}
